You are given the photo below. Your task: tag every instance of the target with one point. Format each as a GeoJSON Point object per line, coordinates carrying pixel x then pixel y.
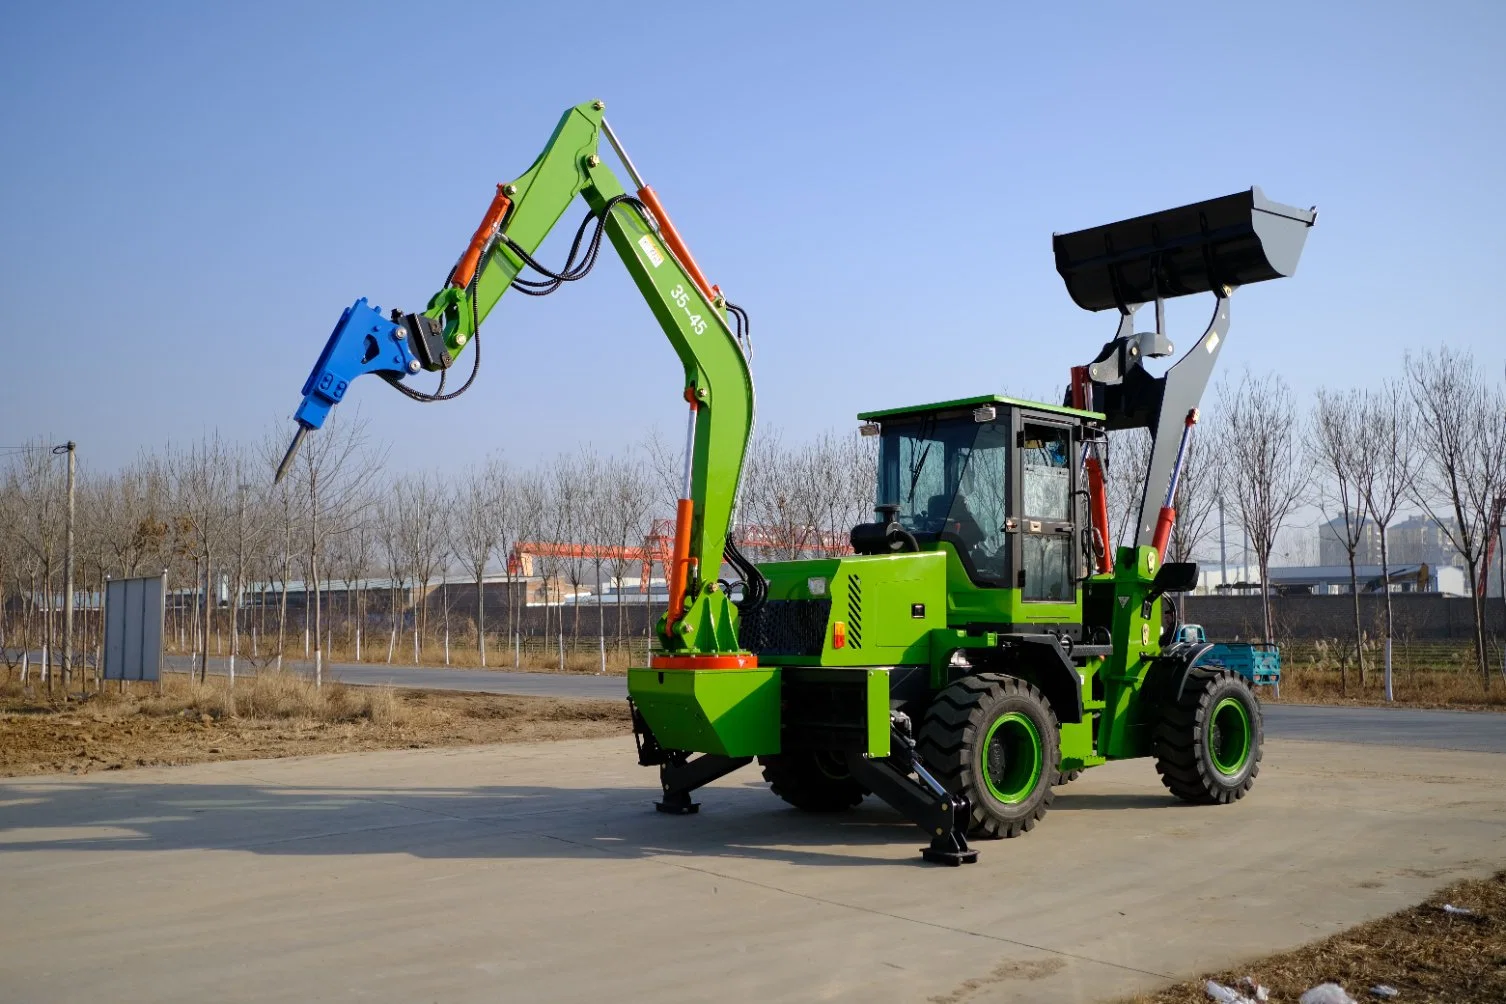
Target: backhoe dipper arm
{"type": "Point", "coordinates": [718, 384]}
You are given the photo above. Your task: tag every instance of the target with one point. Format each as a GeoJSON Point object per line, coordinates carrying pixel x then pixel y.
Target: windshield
{"type": "Point", "coordinates": [948, 477]}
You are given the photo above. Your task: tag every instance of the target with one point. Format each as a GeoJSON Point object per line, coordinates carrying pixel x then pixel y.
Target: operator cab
{"type": "Point", "coordinates": [997, 478]}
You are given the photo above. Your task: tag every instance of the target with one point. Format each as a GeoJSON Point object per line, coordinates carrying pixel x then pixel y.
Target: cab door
{"type": "Point", "coordinates": [1044, 500]}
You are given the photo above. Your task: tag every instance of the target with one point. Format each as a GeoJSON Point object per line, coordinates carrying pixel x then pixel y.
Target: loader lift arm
{"type": "Point", "coordinates": [1214, 246]}
{"type": "Point", "coordinates": [701, 621]}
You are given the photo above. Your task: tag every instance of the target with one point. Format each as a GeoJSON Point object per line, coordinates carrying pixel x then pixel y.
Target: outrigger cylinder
{"type": "Point", "coordinates": [1229, 241]}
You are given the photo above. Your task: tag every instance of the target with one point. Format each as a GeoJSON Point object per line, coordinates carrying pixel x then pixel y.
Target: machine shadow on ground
{"type": "Point", "coordinates": [489, 821]}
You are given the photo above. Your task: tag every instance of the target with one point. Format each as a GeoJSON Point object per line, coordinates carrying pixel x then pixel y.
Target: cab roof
{"type": "Point", "coordinates": [973, 402]}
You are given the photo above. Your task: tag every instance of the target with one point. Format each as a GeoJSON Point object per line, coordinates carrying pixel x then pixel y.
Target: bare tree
{"type": "Point", "coordinates": [1267, 476]}
{"type": "Point", "coordinates": [203, 476]}
{"type": "Point", "coordinates": [423, 537]}
{"type": "Point", "coordinates": [1124, 483]}
{"type": "Point", "coordinates": [476, 531]}
{"type": "Point", "coordinates": [1199, 489]}
{"type": "Point", "coordinates": [336, 470]}
{"type": "Point", "coordinates": [1388, 479]}
{"type": "Point", "coordinates": [626, 525]}
{"type": "Point", "coordinates": [1461, 424]}
{"type": "Point", "coordinates": [1341, 451]}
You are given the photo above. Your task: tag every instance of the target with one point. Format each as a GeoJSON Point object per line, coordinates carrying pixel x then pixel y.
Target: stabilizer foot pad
{"type": "Point", "coordinates": [678, 808]}
{"type": "Point", "coordinates": [949, 857]}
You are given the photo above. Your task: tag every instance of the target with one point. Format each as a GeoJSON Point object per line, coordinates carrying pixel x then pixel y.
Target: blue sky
{"type": "Point", "coordinates": [191, 192]}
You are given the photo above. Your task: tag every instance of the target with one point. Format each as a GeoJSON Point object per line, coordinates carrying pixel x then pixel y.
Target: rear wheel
{"type": "Point", "coordinates": [994, 739]}
{"type": "Point", "coordinates": [813, 782]}
{"type": "Point", "coordinates": [1208, 744]}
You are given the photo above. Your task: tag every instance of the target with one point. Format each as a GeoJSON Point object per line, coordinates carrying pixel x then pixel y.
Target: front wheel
{"type": "Point", "coordinates": [812, 782]}
{"type": "Point", "coordinates": [1208, 744]}
{"type": "Point", "coordinates": [994, 739]}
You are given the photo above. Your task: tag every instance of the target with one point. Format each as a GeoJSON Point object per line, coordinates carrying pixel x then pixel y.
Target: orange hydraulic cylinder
{"type": "Point", "coordinates": [672, 238]}
{"type": "Point", "coordinates": [1163, 530]}
{"type": "Point", "coordinates": [680, 562]}
{"type": "Point", "coordinates": [1098, 512]}
{"type": "Point", "coordinates": [1098, 498]}
{"type": "Point", "coordinates": [465, 269]}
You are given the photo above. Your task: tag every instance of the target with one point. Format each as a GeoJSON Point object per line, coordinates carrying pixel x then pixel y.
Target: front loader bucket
{"type": "Point", "coordinates": [1229, 241]}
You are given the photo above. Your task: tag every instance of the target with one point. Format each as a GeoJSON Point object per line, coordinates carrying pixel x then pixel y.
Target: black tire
{"type": "Point", "coordinates": [964, 743]}
{"type": "Point", "coordinates": [1198, 750]}
{"type": "Point", "coordinates": [1068, 776]}
{"type": "Point", "coordinates": [812, 782]}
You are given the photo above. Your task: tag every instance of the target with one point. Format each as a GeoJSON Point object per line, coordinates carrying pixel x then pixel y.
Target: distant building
{"type": "Point", "coordinates": [1418, 540]}
{"type": "Point", "coordinates": [1329, 580]}
{"type": "Point", "coordinates": [1333, 538]}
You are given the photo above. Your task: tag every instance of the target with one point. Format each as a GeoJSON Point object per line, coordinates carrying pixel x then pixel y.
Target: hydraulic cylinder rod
{"type": "Point", "coordinates": [1168, 515]}
{"type": "Point", "coordinates": [680, 560]}
{"type": "Point", "coordinates": [667, 230]}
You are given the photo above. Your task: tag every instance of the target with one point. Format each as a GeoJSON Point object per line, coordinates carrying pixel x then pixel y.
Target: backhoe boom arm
{"type": "Point", "coordinates": [718, 383]}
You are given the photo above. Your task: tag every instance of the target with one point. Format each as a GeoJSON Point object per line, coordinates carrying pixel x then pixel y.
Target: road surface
{"type": "Point", "coordinates": [539, 872]}
{"type": "Point", "coordinates": [1477, 731]}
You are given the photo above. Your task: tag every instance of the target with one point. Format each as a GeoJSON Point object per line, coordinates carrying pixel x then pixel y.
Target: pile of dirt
{"type": "Point", "coordinates": [108, 731]}
{"type": "Point", "coordinates": [1425, 953]}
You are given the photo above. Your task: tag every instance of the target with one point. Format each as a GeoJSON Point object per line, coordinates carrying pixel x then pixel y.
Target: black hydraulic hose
{"type": "Point", "coordinates": [755, 586]}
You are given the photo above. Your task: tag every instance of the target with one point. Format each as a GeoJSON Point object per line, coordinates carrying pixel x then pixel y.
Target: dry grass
{"type": "Point", "coordinates": [1307, 684]}
{"type": "Point", "coordinates": [1422, 951]}
{"type": "Point", "coordinates": [535, 655]}
{"type": "Point", "coordinates": [268, 695]}
{"type": "Point", "coordinates": [272, 715]}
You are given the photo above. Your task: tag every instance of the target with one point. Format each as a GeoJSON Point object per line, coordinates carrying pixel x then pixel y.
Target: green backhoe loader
{"type": "Point", "coordinates": [985, 641]}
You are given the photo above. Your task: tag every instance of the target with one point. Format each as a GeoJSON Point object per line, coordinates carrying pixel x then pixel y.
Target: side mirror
{"type": "Point", "coordinates": [1175, 577]}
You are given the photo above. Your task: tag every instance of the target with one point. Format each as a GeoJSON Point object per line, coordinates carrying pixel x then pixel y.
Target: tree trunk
{"type": "Point", "coordinates": [1479, 606]}
{"type": "Point", "coordinates": [1390, 627]}
{"type": "Point", "coordinates": [480, 618]}
{"type": "Point", "coordinates": [282, 602]}
{"type": "Point", "coordinates": [1359, 631]}
{"type": "Point", "coordinates": [208, 612]}
{"type": "Point", "coordinates": [314, 574]}
{"type": "Point", "coordinates": [1265, 596]}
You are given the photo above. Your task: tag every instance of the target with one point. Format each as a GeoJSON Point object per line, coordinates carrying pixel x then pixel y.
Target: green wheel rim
{"type": "Point", "coordinates": [1230, 738]}
{"type": "Point", "coordinates": [1012, 758]}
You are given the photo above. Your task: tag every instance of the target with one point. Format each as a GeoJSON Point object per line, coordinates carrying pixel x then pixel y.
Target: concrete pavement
{"type": "Point", "coordinates": [540, 873]}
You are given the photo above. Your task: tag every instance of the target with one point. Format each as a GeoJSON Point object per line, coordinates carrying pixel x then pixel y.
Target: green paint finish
{"type": "Point", "coordinates": [876, 597]}
{"type": "Point", "coordinates": [1136, 634]}
{"type": "Point", "coordinates": [973, 402]}
{"type": "Point", "coordinates": [1013, 758]}
{"type": "Point", "coordinates": [734, 712]}
{"type": "Point", "coordinates": [1229, 739]}
{"type": "Point", "coordinates": [716, 372]}
{"type": "Point", "coordinates": [969, 603]}
{"type": "Point", "coordinates": [1077, 744]}
{"type": "Point", "coordinates": [878, 712]}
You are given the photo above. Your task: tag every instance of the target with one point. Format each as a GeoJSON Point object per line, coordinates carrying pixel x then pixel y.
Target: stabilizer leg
{"type": "Point", "coordinates": [679, 775]}
{"type": "Point", "coordinates": [922, 800]}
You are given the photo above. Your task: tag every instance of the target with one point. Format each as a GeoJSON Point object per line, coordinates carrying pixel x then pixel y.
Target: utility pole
{"type": "Point", "coordinates": [71, 449]}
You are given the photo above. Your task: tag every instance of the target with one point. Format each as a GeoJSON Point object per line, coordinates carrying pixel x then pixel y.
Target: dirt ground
{"type": "Point", "coordinates": [111, 732]}
{"type": "Point", "coordinates": [1424, 952]}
